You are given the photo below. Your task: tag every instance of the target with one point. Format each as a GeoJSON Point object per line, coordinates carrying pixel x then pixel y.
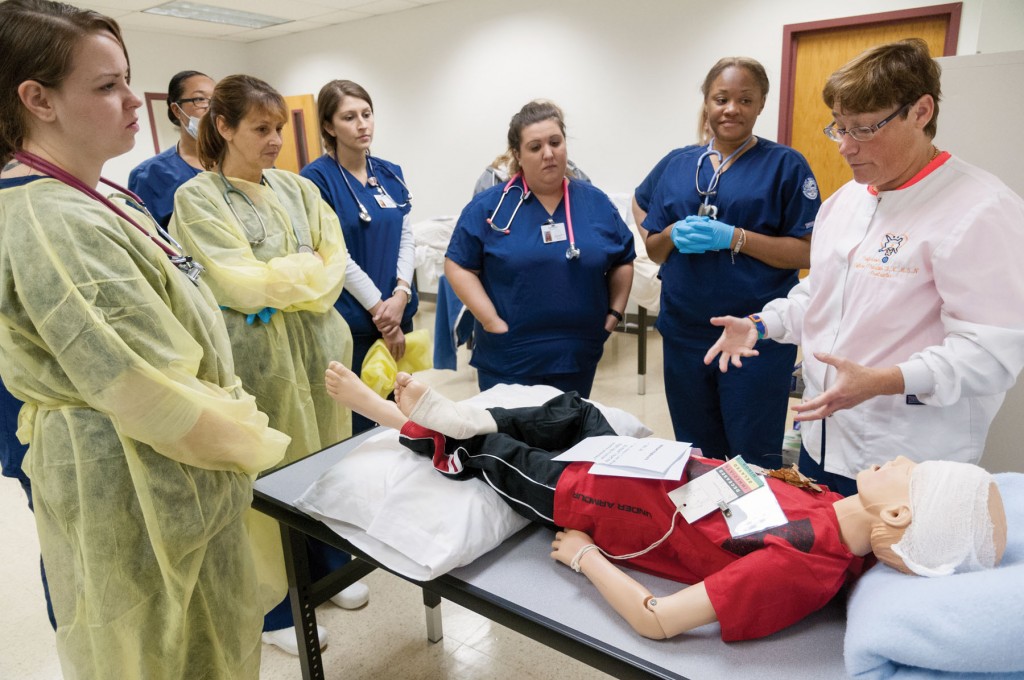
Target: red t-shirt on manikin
{"type": "Point", "coordinates": [758, 584]}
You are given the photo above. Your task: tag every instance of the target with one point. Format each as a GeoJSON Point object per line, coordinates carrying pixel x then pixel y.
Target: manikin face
{"type": "Point", "coordinates": [352, 125]}
{"type": "Point", "coordinates": [255, 144]}
{"type": "Point", "coordinates": [886, 485]}
{"type": "Point", "coordinates": [542, 154]}
{"type": "Point", "coordinates": [887, 160]}
{"type": "Point", "coordinates": [95, 112]}
{"type": "Point", "coordinates": [733, 104]}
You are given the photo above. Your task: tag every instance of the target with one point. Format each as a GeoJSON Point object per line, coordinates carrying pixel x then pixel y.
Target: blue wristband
{"type": "Point", "coordinates": [762, 330]}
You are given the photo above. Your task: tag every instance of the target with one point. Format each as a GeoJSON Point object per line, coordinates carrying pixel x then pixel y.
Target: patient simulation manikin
{"type": "Point", "coordinates": [931, 518]}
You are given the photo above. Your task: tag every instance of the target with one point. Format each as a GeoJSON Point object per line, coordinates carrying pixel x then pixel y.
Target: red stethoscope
{"type": "Point", "coordinates": [190, 267]}
{"type": "Point", "coordinates": [572, 252]}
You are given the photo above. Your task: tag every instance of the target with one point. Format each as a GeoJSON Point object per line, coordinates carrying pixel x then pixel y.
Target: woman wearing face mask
{"type": "Point", "coordinates": [275, 260]}
{"type": "Point", "coordinates": [372, 201]}
{"type": "Point", "coordinates": [155, 180]}
{"type": "Point", "coordinates": [544, 263]}
{"type": "Point", "coordinates": [731, 222]}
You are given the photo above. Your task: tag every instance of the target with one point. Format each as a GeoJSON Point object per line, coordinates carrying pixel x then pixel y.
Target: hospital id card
{"type": "Point", "coordinates": [385, 201]}
{"type": "Point", "coordinates": [723, 485]}
{"type": "Point", "coordinates": [552, 232]}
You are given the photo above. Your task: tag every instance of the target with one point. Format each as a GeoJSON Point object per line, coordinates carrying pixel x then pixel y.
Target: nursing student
{"type": "Point", "coordinates": [543, 262]}
{"type": "Point", "coordinates": [156, 179]}
{"type": "Point", "coordinates": [142, 443]}
{"type": "Point", "coordinates": [730, 222]}
{"type": "Point", "coordinates": [370, 197]}
{"type": "Point", "coordinates": [275, 260]}
{"type": "Point", "coordinates": [912, 318]}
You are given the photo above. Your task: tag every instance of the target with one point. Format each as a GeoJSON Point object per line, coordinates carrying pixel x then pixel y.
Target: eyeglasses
{"type": "Point", "coordinates": [864, 133]}
{"type": "Point", "coordinates": [204, 102]}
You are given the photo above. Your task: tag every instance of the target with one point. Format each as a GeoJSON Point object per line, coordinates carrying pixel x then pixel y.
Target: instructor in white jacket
{"type": "Point", "coordinates": [912, 318]}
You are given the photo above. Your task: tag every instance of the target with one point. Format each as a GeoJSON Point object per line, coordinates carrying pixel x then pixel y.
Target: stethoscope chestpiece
{"type": "Point", "coordinates": [572, 252]}
{"type": "Point", "coordinates": [364, 216]}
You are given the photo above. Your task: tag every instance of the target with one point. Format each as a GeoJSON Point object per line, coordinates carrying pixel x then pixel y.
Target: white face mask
{"type": "Point", "coordinates": [193, 127]}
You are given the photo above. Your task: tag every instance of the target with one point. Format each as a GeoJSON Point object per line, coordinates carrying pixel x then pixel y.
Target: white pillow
{"type": "Point", "coordinates": [392, 504]}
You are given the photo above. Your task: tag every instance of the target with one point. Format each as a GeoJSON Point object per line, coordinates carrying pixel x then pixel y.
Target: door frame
{"type": "Point", "coordinates": [790, 41]}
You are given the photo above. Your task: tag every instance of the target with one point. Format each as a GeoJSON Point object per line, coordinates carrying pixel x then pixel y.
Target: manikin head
{"type": "Point", "coordinates": [933, 518]}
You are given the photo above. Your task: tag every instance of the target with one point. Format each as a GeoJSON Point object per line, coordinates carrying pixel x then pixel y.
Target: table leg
{"type": "Point", "coordinates": [432, 606]}
{"type": "Point", "coordinates": [296, 562]}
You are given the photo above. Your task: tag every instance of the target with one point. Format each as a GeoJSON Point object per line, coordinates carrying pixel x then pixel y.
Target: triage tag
{"type": "Point", "coordinates": [552, 232]}
{"type": "Point", "coordinates": [724, 484]}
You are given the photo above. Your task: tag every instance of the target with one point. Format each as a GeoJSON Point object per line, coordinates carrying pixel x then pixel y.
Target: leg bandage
{"type": "Point", "coordinates": [459, 421]}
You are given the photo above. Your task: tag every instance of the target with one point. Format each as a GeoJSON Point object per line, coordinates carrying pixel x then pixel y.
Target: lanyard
{"type": "Point", "coordinates": [191, 268]}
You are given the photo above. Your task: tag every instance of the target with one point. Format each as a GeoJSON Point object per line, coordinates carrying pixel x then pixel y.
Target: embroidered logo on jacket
{"type": "Point", "coordinates": [891, 246]}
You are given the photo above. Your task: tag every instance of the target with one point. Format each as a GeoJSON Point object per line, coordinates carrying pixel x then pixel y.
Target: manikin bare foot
{"type": "Point", "coordinates": [429, 408]}
{"type": "Point", "coordinates": [347, 389]}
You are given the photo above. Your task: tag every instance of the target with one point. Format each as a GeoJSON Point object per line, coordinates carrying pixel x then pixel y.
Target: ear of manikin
{"type": "Point", "coordinates": [898, 516]}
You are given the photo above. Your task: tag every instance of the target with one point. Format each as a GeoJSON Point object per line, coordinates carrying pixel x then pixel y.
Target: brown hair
{"type": "Point", "coordinates": [753, 66]}
{"type": "Point", "coordinates": [328, 101]}
{"type": "Point", "coordinates": [233, 98]}
{"type": "Point", "coordinates": [535, 112]}
{"type": "Point", "coordinates": [885, 77]}
{"type": "Point", "coordinates": [37, 42]}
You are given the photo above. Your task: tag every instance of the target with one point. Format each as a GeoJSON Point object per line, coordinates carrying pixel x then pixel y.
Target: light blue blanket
{"type": "Point", "coordinates": [964, 626]}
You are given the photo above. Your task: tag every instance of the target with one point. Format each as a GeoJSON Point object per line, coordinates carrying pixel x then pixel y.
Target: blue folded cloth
{"type": "Point", "coordinates": [965, 626]}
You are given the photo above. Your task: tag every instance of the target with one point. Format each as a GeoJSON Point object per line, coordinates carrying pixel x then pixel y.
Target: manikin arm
{"type": "Point", "coordinates": [655, 618]}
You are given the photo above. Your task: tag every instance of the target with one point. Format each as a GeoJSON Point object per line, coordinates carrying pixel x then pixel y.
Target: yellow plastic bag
{"type": "Point", "coordinates": [380, 368]}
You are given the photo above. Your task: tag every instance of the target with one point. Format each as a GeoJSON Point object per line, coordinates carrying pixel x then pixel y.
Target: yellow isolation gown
{"type": "Point", "coordinates": [281, 361]}
{"type": "Point", "coordinates": [142, 444]}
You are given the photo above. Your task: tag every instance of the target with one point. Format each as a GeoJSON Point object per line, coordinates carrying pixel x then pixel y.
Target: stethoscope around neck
{"type": "Point", "coordinates": [230, 189]}
{"type": "Point", "coordinates": [186, 264]}
{"type": "Point", "coordinates": [372, 181]}
{"type": "Point", "coordinates": [707, 208]}
{"type": "Point", "coordinates": [572, 252]}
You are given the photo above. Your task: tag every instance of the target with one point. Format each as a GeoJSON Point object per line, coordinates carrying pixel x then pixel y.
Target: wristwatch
{"type": "Point", "coordinates": [405, 289]}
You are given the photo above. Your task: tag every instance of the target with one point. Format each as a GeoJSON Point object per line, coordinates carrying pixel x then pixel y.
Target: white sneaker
{"type": "Point", "coordinates": [284, 639]}
{"type": "Point", "coordinates": [353, 597]}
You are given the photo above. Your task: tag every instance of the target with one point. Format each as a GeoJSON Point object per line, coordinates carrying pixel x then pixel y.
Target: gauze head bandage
{"type": "Point", "coordinates": [951, 529]}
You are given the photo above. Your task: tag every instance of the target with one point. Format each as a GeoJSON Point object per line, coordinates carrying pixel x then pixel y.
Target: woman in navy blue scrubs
{"type": "Point", "coordinates": [544, 263]}
{"type": "Point", "coordinates": [372, 201]}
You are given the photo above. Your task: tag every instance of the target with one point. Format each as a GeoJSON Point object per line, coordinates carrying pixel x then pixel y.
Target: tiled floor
{"type": "Point", "coordinates": [386, 639]}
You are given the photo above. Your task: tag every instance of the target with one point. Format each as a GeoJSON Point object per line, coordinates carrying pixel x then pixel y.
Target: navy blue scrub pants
{"type": "Point", "coordinates": [580, 382]}
{"type": "Point", "coordinates": [739, 412]}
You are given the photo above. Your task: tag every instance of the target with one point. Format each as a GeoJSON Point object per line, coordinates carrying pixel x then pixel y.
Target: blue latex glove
{"type": "Point", "coordinates": [263, 315]}
{"type": "Point", "coordinates": [704, 230]}
{"type": "Point", "coordinates": [687, 240]}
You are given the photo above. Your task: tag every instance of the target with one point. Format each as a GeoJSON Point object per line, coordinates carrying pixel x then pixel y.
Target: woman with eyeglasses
{"type": "Point", "coordinates": [373, 202]}
{"type": "Point", "coordinates": [155, 180]}
{"type": "Point", "coordinates": [912, 318]}
{"type": "Point", "coordinates": [730, 221]}
{"type": "Point", "coordinates": [543, 262]}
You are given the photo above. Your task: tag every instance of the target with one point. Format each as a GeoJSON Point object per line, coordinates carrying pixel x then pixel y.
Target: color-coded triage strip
{"type": "Point", "coordinates": [740, 478]}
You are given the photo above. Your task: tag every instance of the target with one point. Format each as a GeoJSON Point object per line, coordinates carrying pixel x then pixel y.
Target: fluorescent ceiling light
{"type": "Point", "coordinates": [217, 15]}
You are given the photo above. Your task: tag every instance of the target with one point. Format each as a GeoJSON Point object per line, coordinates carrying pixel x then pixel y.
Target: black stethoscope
{"type": "Point", "coordinates": [186, 264]}
{"type": "Point", "coordinates": [707, 208]}
{"type": "Point", "coordinates": [572, 252]}
{"type": "Point", "coordinates": [364, 214]}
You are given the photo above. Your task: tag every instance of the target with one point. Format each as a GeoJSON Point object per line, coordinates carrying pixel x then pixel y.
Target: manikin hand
{"type": "Point", "coordinates": [736, 342]}
{"type": "Point", "coordinates": [853, 384]}
{"type": "Point", "coordinates": [567, 543]}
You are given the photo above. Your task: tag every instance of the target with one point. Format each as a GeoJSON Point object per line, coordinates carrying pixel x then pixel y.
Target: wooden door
{"type": "Point", "coordinates": [814, 51]}
{"type": "Point", "coordinates": [301, 134]}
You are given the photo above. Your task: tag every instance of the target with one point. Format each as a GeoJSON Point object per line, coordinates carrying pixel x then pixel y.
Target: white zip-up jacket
{"type": "Point", "coordinates": [930, 278]}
